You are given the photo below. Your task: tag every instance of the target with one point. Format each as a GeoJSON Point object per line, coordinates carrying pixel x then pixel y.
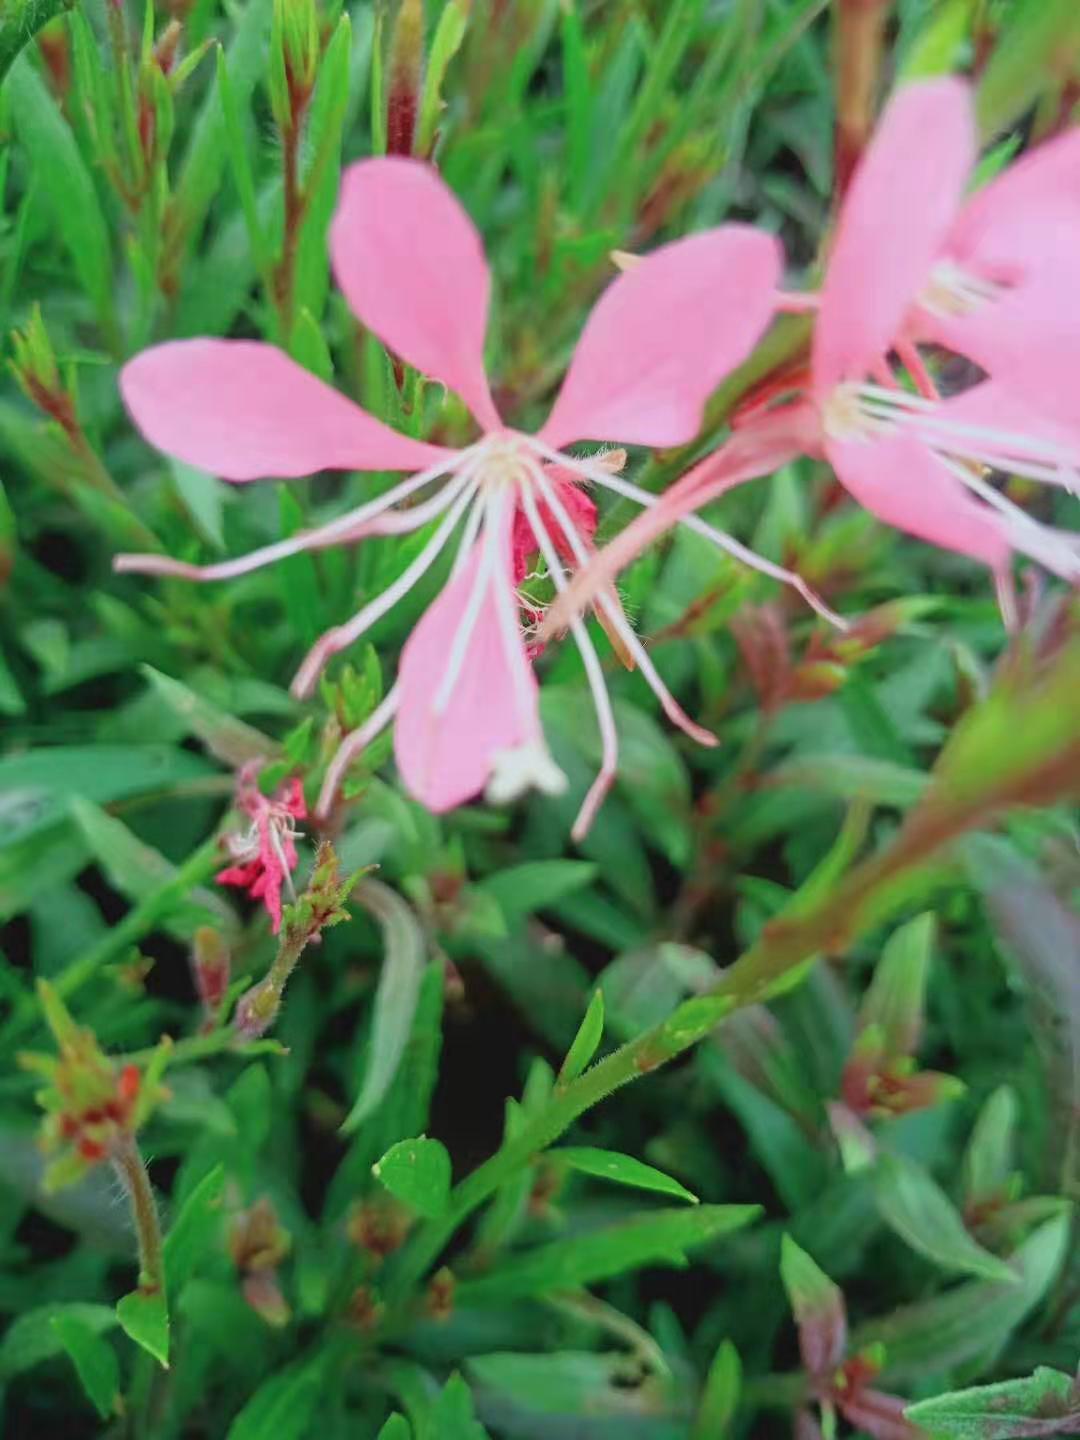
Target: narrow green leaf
{"type": "Point", "coordinates": [912, 1204]}
{"type": "Point", "coordinates": [284, 1406]}
{"type": "Point", "coordinates": [395, 998]}
{"type": "Point", "coordinates": [720, 1399]}
{"type": "Point", "coordinates": [1036, 33]}
{"type": "Point", "coordinates": [62, 173]}
{"type": "Point", "coordinates": [454, 1415]}
{"type": "Point", "coordinates": [996, 1412]}
{"type": "Point", "coordinates": [396, 1428]}
{"type": "Point", "coordinates": [94, 1360]}
{"type": "Point", "coordinates": [231, 741]}
{"type": "Point", "coordinates": [621, 1169]}
{"type": "Point", "coordinates": [195, 1229]}
{"type": "Point", "coordinates": [32, 1336]}
{"type": "Point", "coordinates": [445, 43]}
{"type": "Point", "coordinates": [894, 1001]}
{"type": "Point", "coordinates": [144, 1318]}
{"type": "Point", "coordinates": [522, 889]}
{"type": "Point", "coordinates": [988, 1160]}
{"type": "Point", "coordinates": [417, 1172]}
{"type": "Point", "coordinates": [810, 1291]}
{"type": "Point", "coordinates": [972, 1321]}
{"type": "Point", "coordinates": [586, 1040]}
{"type": "Point", "coordinates": [662, 1238]}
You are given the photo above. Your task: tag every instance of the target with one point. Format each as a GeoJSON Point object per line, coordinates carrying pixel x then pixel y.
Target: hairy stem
{"type": "Point", "coordinates": [131, 1170]}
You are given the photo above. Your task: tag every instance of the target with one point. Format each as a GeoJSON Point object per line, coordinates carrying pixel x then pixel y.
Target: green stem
{"type": "Point", "coordinates": [826, 925]}
{"type": "Point", "coordinates": [135, 924]}
{"type": "Point", "coordinates": [22, 23]}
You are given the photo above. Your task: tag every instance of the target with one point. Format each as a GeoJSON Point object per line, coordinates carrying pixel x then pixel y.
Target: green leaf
{"type": "Point", "coordinates": [144, 1318]}
{"type": "Point", "coordinates": [972, 1321]}
{"type": "Point", "coordinates": [449, 33]}
{"type": "Point", "coordinates": [62, 173]}
{"type": "Point", "coordinates": [988, 1160]}
{"type": "Point", "coordinates": [284, 1406]}
{"type": "Point", "coordinates": [894, 1001]}
{"type": "Point", "coordinates": [94, 1360]}
{"type": "Point", "coordinates": [809, 1290]}
{"type": "Point", "coordinates": [662, 1238]}
{"type": "Point", "coordinates": [454, 1415]}
{"type": "Point", "coordinates": [200, 175]}
{"type": "Point", "coordinates": [920, 1212]}
{"type": "Point", "coordinates": [586, 1040]}
{"type": "Point", "coordinates": [229, 740]}
{"type": "Point", "coordinates": [204, 498]}
{"type": "Point", "coordinates": [622, 1169]}
{"type": "Point", "coordinates": [522, 889]}
{"type": "Point", "coordinates": [995, 1412]}
{"type": "Point", "coordinates": [195, 1229]}
{"type": "Point", "coordinates": [137, 870]}
{"type": "Point", "coordinates": [32, 1337]}
{"type": "Point", "coordinates": [418, 1173]}
{"type": "Point", "coordinates": [720, 1399]}
{"type": "Point", "coordinates": [1031, 49]}
{"type": "Point", "coordinates": [396, 1428]}
{"type": "Point", "coordinates": [939, 43]}
{"type": "Point", "coordinates": [395, 998]}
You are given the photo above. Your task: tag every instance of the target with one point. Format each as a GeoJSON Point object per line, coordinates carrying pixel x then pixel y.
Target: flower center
{"type": "Point", "coordinates": [846, 415]}
{"type": "Point", "coordinates": [500, 465]}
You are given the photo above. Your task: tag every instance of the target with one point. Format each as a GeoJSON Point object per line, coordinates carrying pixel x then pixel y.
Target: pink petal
{"type": "Point", "coordinates": [903, 483]}
{"type": "Point", "coordinates": [663, 335]}
{"type": "Point", "coordinates": [901, 203]}
{"type": "Point", "coordinates": [996, 407]}
{"type": "Point", "coordinates": [1028, 340]}
{"type": "Point", "coordinates": [243, 410]}
{"type": "Point", "coordinates": [1002, 224]}
{"type": "Point", "coordinates": [446, 758]}
{"type": "Point", "coordinates": [412, 267]}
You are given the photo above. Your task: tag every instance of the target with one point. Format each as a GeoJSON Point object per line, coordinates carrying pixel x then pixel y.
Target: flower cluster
{"type": "Point", "coordinates": [911, 267]}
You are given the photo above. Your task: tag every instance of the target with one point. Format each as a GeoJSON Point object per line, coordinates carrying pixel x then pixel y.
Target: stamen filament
{"type": "Point", "coordinates": [594, 672]}
{"type": "Point", "coordinates": [342, 636]}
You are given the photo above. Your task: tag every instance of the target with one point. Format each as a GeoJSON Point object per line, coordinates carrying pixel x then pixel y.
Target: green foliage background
{"type": "Point", "coordinates": [576, 1291]}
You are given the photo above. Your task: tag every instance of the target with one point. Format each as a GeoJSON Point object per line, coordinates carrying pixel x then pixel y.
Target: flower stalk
{"type": "Point", "coordinates": [128, 1164]}
{"type": "Point", "coordinates": [860, 33]}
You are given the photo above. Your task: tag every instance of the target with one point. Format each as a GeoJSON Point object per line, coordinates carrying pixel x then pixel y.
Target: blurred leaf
{"type": "Point", "coordinates": [895, 998]}
{"type": "Point", "coordinates": [395, 998]}
{"type": "Point", "coordinates": [284, 1406]}
{"type": "Point", "coordinates": [445, 43]}
{"type": "Point", "coordinates": [922, 1215]}
{"type": "Point", "coordinates": [1041, 1404]}
{"type": "Point", "coordinates": [195, 1229]}
{"type": "Point", "coordinates": [621, 1169]}
{"type": "Point", "coordinates": [661, 1238]}
{"type": "Point", "coordinates": [32, 1337]}
{"type": "Point", "coordinates": [586, 1040]}
{"type": "Point", "coordinates": [229, 740]}
{"type": "Point", "coordinates": [454, 1416]}
{"type": "Point", "coordinates": [971, 1321]}
{"type": "Point", "coordinates": [1036, 42]}
{"type": "Point", "coordinates": [988, 1160]}
{"type": "Point", "coordinates": [94, 1360]}
{"type": "Point", "coordinates": [396, 1428]}
{"type": "Point", "coordinates": [522, 889]}
{"type": "Point", "coordinates": [62, 172]}
{"type": "Point", "coordinates": [144, 1318]}
{"type": "Point", "coordinates": [720, 1399]}
{"type": "Point", "coordinates": [418, 1173]}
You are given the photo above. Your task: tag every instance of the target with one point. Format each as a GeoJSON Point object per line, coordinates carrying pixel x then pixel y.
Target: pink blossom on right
{"type": "Point", "coordinates": [995, 279]}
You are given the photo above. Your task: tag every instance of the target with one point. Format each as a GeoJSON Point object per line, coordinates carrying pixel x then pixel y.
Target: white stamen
{"type": "Point", "coordinates": [342, 636]}
{"type": "Point", "coordinates": [954, 291]}
{"type": "Point", "coordinates": [605, 716]}
{"type": "Point", "coordinates": [671, 707]}
{"type": "Point", "coordinates": [353, 745]}
{"type": "Point", "coordinates": [477, 596]}
{"type": "Point", "coordinates": [1058, 550]}
{"type": "Point", "coordinates": [699, 527]}
{"type": "Point", "coordinates": [338, 531]}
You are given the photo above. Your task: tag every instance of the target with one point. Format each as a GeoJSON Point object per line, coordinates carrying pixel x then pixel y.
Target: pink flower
{"type": "Point", "coordinates": [265, 853]}
{"type": "Point", "coordinates": [997, 280]}
{"type": "Point", "coordinates": [412, 267]}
